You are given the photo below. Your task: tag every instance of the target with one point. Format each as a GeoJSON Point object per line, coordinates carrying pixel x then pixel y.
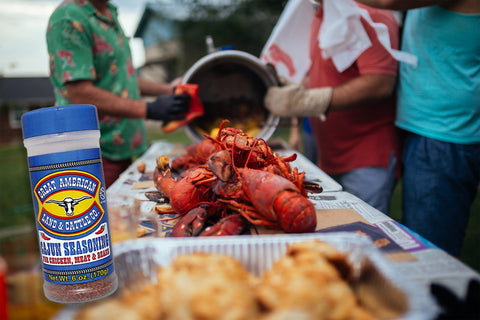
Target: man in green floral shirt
{"type": "Point", "coordinates": [90, 63]}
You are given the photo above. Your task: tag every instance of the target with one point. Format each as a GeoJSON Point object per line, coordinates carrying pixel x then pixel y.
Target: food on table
{"type": "Point", "coordinates": [251, 126]}
{"type": "Point", "coordinates": [197, 286]}
{"type": "Point", "coordinates": [141, 166]}
{"type": "Point", "coordinates": [313, 280]}
{"type": "Point", "coordinates": [208, 286]}
{"type": "Point", "coordinates": [141, 304]}
{"type": "Point", "coordinates": [163, 208]}
{"type": "Point", "coordinates": [234, 174]}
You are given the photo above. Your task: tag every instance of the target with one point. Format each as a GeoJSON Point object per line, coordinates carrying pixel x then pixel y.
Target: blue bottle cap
{"type": "Point", "coordinates": [59, 119]}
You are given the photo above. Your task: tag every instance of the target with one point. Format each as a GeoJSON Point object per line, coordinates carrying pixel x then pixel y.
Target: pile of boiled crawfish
{"type": "Point", "coordinates": [222, 185]}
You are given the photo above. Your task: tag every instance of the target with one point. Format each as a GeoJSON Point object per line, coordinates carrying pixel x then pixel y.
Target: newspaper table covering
{"type": "Point", "coordinates": [337, 211]}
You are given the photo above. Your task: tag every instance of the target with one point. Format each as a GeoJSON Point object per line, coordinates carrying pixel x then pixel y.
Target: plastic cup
{"type": "Point", "coordinates": [127, 220]}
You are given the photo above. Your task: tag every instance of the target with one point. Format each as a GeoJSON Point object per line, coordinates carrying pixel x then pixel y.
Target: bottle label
{"type": "Point", "coordinates": [69, 199]}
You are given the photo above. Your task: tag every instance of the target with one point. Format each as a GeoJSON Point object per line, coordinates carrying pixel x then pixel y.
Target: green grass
{"type": "Point", "coordinates": [15, 195]}
{"type": "Point", "coordinates": [17, 210]}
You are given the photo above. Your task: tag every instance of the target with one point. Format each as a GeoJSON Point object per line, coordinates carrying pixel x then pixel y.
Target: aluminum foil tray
{"type": "Point", "coordinates": [136, 263]}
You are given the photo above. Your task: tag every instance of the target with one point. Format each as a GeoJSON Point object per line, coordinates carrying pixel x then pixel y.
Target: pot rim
{"type": "Point", "coordinates": [256, 65]}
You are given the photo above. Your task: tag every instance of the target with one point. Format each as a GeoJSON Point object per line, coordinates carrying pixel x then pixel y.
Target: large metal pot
{"type": "Point", "coordinates": [232, 85]}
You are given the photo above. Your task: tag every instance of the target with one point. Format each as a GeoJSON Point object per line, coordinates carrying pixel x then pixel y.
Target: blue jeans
{"type": "Point", "coordinates": [374, 185]}
{"type": "Point", "coordinates": [440, 182]}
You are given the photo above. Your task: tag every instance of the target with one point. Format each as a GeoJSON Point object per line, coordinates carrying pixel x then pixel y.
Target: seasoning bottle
{"type": "Point", "coordinates": [69, 200]}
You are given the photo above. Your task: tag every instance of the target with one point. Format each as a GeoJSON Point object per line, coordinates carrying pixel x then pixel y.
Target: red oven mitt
{"type": "Point", "coordinates": [195, 110]}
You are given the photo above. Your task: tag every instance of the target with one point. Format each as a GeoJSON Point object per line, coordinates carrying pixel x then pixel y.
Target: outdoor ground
{"type": "Point", "coordinates": [16, 212]}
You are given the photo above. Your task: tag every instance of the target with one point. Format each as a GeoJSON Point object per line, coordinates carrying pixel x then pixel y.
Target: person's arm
{"type": "Point", "coordinates": [151, 88]}
{"type": "Point", "coordinates": [402, 4]}
{"type": "Point", "coordinates": [107, 103]}
{"type": "Point", "coordinates": [361, 90]}
{"type": "Point", "coordinates": [293, 100]}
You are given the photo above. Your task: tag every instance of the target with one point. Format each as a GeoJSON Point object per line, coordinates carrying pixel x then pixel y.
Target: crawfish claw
{"type": "Point", "coordinates": [228, 226]}
{"type": "Point", "coordinates": [191, 224]}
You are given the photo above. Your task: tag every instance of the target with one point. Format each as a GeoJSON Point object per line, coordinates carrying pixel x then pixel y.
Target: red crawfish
{"type": "Point", "coordinates": [261, 196]}
{"type": "Point", "coordinates": [255, 151]}
{"type": "Point", "coordinates": [276, 202]}
{"type": "Point", "coordinates": [187, 190]}
{"type": "Point", "coordinates": [193, 223]}
{"type": "Point", "coordinates": [195, 154]}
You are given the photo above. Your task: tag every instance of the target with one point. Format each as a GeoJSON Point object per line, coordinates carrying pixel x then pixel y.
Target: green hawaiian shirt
{"type": "Point", "coordinates": [85, 45]}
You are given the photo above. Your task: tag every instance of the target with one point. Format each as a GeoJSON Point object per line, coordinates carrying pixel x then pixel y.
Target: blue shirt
{"type": "Point", "coordinates": [440, 99]}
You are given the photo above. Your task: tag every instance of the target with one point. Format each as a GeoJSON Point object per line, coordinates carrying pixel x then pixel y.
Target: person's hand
{"type": "Point", "coordinates": [171, 107]}
{"type": "Point", "coordinates": [293, 100]}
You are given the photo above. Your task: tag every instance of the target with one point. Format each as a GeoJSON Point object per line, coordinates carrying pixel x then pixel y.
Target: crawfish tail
{"type": "Point", "coordinates": [296, 214]}
{"type": "Point", "coordinates": [262, 188]}
{"type": "Point", "coordinates": [278, 199]}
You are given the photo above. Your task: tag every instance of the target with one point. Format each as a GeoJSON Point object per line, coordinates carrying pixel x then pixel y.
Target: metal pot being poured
{"type": "Point", "coordinates": [232, 85]}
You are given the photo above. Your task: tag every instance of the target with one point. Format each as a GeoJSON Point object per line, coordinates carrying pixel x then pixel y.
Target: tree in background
{"type": "Point", "coordinates": [246, 25]}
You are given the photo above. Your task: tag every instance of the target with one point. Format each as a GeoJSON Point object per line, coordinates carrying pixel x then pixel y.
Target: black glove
{"type": "Point", "coordinates": [457, 308]}
{"type": "Point", "coordinates": [166, 108]}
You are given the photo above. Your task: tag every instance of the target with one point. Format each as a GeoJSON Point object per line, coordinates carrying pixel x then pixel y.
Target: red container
{"type": "Point", "coordinates": [3, 289]}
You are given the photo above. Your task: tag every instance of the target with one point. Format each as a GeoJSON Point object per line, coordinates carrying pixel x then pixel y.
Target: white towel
{"type": "Point", "coordinates": [288, 46]}
{"type": "Point", "coordinates": [343, 38]}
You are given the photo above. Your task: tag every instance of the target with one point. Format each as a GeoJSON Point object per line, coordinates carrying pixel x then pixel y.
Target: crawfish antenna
{"type": "Point", "coordinates": [217, 139]}
{"type": "Point", "coordinates": [233, 152]}
{"type": "Point", "coordinates": [220, 129]}
{"type": "Point", "coordinates": [251, 150]}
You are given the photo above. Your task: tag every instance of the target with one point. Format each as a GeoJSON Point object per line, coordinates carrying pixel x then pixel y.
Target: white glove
{"type": "Point", "coordinates": [293, 100]}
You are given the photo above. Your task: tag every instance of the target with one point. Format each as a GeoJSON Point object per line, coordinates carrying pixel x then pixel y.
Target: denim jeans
{"type": "Point", "coordinates": [374, 185]}
{"type": "Point", "coordinates": [440, 182]}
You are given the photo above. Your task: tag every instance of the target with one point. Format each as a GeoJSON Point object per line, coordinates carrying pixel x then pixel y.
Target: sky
{"type": "Point", "coordinates": [23, 50]}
